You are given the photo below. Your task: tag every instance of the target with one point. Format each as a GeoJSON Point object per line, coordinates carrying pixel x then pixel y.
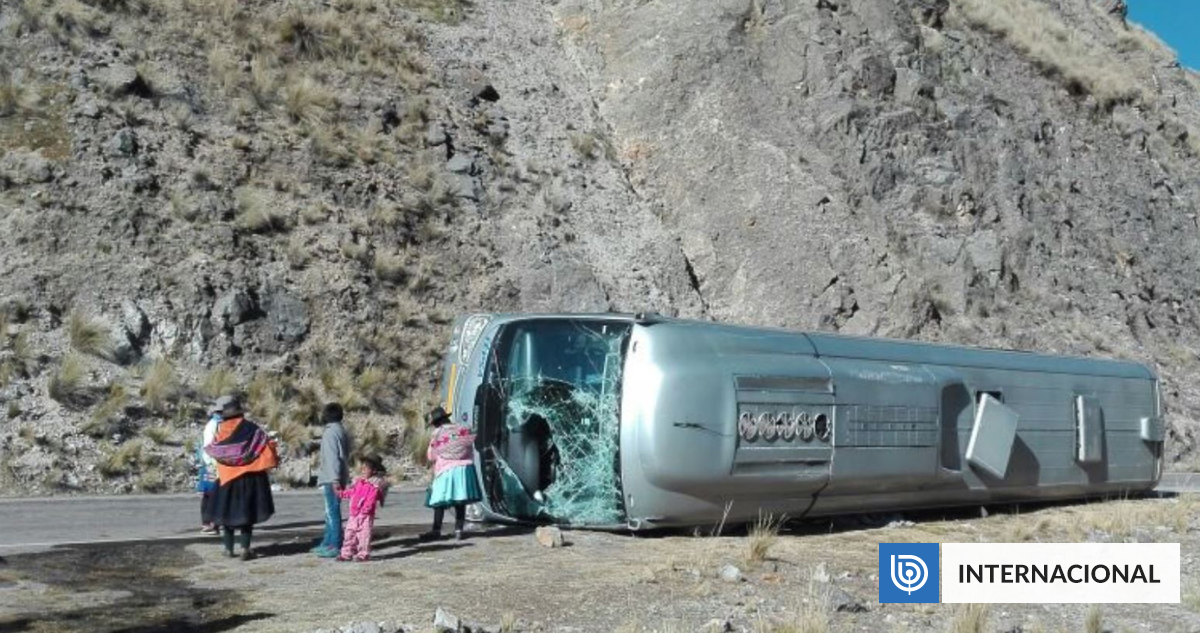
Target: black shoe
{"type": "Point", "coordinates": [230, 553]}
{"type": "Point", "coordinates": [248, 554]}
{"type": "Point", "coordinates": [431, 535]}
{"type": "Point", "coordinates": [458, 535]}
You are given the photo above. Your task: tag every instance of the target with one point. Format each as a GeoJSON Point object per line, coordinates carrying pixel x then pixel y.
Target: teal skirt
{"type": "Point", "coordinates": [457, 485]}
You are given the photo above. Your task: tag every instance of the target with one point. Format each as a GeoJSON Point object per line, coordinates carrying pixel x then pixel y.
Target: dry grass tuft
{"type": "Point", "coordinates": [969, 618]}
{"type": "Point", "coordinates": [257, 213]}
{"type": "Point", "coordinates": [160, 435]}
{"type": "Point", "coordinates": [508, 622]}
{"type": "Point", "coordinates": [88, 336]}
{"type": "Point", "coordinates": [1191, 595]}
{"type": "Point", "coordinates": [152, 480]}
{"type": "Point", "coordinates": [370, 436]}
{"type": "Point", "coordinates": [391, 268]}
{"type": "Point", "coordinates": [17, 94]}
{"type": "Point", "coordinates": [1069, 54]}
{"type": "Point", "coordinates": [764, 534]}
{"type": "Point", "coordinates": [307, 101]}
{"type": "Point", "coordinates": [121, 460]}
{"type": "Point", "coordinates": [67, 384]}
{"type": "Point", "coordinates": [1094, 622]}
{"type": "Point", "coordinates": [106, 418]}
{"type": "Point", "coordinates": [218, 382]}
{"type": "Point", "coordinates": [160, 389]}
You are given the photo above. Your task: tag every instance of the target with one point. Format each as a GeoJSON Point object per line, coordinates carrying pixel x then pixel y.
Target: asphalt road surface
{"type": "Point", "coordinates": [30, 524]}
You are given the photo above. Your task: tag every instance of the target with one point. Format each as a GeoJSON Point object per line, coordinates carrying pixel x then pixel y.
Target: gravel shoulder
{"type": "Point", "coordinates": [599, 582]}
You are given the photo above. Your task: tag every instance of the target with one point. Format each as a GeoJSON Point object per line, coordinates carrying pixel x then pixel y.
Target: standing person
{"type": "Point", "coordinates": [206, 481]}
{"type": "Point", "coordinates": [368, 491]}
{"type": "Point", "coordinates": [455, 483]}
{"type": "Point", "coordinates": [332, 477]}
{"type": "Point", "coordinates": [244, 454]}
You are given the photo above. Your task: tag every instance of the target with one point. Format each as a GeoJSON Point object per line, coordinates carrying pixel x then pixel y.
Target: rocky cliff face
{"type": "Point", "coordinates": [295, 197]}
{"type": "Point", "coordinates": [964, 171]}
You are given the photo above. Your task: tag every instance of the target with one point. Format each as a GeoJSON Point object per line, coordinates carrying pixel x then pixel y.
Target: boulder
{"type": "Point", "coordinates": [286, 315]}
{"type": "Point", "coordinates": [731, 573]}
{"type": "Point", "coordinates": [444, 622]}
{"type": "Point", "coordinates": [119, 79]}
{"type": "Point", "coordinates": [123, 143]}
{"type": "Point", "coordinates": [234, 307]}
{"type": "Point", "coordinates": [25, 168]}
{"type": "Point", "coordinates": [549, 536]}
{"type": "Point", "coordinates": [459, 164]}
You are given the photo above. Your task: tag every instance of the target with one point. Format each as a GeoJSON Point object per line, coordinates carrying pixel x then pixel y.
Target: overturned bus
{"type": "Point", "coordinates": [639, 422]}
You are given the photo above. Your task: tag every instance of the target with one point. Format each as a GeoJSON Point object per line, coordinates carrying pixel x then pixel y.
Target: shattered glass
{"type": "Point", "coordinates": [561, 388]}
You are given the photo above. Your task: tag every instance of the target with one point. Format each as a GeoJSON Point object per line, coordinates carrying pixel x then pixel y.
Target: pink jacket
{"type": "Point", "coordinates": [451, 446]}
{"type": "Point", "coordinates": [365, 495]}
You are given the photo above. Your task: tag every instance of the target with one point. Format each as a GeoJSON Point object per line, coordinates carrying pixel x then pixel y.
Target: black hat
{"type": "Point", "coordinates": [374, 462]}
{"type": "Point", "coordinates": [227, 406]}
{"type": "Point", "coordinates": [331, 413]}
{"type": "Point", "coordinates": [438, 414]}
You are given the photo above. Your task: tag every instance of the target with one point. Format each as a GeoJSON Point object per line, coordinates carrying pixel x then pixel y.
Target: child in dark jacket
{"type": "Point", "coordinates": [367, 493]}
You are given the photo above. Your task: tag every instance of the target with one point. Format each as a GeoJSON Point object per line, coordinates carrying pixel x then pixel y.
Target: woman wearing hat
{"type": "Point", "coordinates": [455, 482]}
{"type": "Point", "coordinates": [244, 454]}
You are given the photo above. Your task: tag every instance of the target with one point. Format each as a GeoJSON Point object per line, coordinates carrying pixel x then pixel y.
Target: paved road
{"type": "Point", "coordinates": [29, 524]}
{"type": "Point", "coordinates": [37, 523]}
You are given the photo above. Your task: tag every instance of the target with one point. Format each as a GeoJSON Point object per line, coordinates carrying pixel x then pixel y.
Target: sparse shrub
{"type": "Point", "coordinates": [26, 433]}
{"type": "Point", "coordinates": [14, 410]}
{"type": "Point", "coordinates": [67, 384]}
{"type": "Point", "coordinates": [218, 382]}
{"type": "Point", "coordinates": [969, 618]}
{"type": "Point", "coordinates": [267, 396]}
{"type": "Point", "coordinates": [88, 336]}
{"type": "Point", "coordinates": [160, 389]}
{"type": "Point", "coordinates": [256, 213]}
{"type": "Point", "coordinates": [306, 101]}
{"type": "Point", "coordinates": [508, 622]}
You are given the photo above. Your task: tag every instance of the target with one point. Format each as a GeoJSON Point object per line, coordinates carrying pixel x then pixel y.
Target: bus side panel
{"type": "Point", "coordinates": [1044, 455]}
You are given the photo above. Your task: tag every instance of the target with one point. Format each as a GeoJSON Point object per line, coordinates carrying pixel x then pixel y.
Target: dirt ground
{"type": "Point", "coordinates": [815, 577]}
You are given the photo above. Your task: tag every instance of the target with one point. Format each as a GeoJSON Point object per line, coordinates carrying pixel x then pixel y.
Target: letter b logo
{"type": "Point", "coordinates": [908, 572]}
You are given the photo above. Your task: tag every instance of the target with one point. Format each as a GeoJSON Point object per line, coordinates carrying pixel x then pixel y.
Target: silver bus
{"type": "Point", "coordinates": [641, 422]}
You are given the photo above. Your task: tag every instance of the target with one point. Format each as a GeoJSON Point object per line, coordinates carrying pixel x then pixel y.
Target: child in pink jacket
{"type": "Point", "coordinates": [365, 495]}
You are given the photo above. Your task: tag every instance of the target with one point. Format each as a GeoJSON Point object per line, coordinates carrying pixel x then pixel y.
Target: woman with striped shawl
{"type": "Point", "coordinates": [244, 454]}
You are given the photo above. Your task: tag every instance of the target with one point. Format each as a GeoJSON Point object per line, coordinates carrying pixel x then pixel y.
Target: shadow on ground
{"type": "Point", "coordinates": [155, 594]}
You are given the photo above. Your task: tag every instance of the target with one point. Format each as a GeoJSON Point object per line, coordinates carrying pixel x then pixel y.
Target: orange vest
{"type": "Point", "coordinates": [267, 459]}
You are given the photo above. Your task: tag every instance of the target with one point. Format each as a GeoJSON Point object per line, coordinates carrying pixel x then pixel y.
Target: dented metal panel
{"type": "Point", "coordinates": [992, 436]}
